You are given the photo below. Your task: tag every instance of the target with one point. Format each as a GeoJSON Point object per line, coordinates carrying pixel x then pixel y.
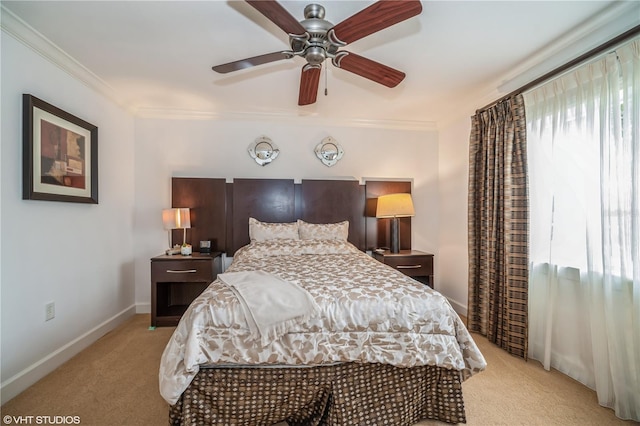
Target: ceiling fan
{"type": "Point", "coordinates": [316, 40]}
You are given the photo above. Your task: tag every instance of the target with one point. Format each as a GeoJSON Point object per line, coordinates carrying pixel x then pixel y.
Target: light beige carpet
{"type": "Point", "coordinates": [115, 382]}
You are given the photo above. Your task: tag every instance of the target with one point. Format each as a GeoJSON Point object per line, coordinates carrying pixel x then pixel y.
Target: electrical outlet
{"type": "Point", "coordinates": [50, 311]}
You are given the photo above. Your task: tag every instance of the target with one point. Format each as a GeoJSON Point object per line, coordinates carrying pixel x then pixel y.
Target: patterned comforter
{"type": "Point", "coordinates": [370, 313]}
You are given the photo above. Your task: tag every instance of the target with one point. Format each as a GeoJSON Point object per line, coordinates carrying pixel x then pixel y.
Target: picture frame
{"type": "Point", "coordinates": [59, 155]}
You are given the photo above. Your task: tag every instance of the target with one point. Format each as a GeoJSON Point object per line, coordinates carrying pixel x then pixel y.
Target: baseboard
{"type": "Point", "coordinates": [27, 377]}
{"type": "Point", "coordinates": [458, 307]}
{"type": "Point", "coordinates": [143, 308]}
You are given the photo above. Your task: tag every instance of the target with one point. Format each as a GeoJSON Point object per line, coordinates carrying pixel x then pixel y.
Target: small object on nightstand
{"type": "Point", "coordinates": [185, 250]}
{"type": "Point", "coordinates": [205, 247]}
{"type": "Point", "coordinates": [416, 264]}
{"type": "Point", "coordinates": [173, 250]}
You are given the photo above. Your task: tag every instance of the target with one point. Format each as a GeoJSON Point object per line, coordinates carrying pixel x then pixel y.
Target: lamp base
{"type": "Point", "coordinates": [395, 235]}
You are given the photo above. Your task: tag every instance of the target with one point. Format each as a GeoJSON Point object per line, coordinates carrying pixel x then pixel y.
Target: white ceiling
{"type": "Point", "coordinates": [155, 57]}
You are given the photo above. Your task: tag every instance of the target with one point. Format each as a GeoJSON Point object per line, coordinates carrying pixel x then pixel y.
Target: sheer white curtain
{"type": "Point", "coordinates": [583, 138]}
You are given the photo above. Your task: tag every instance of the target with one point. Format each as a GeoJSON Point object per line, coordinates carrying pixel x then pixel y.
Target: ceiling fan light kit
{"type": "Point", "coordinates": [316, 40]}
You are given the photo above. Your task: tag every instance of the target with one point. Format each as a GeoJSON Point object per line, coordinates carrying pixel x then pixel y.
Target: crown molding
{"type": "Point", "coordinates": [33, 39]}
{"type": "Point", "coordinates": [611, 22]}
{"type": "Point", "coordinates": [619, 16]}
{"type": "Point", "coordinates": [36, 41]}
{"type": "Point", "coordinates": [289, 118]}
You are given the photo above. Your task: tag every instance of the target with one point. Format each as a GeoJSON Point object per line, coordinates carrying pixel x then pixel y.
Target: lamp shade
{"type": "Point", "coordinates": [179, 218]}
{"type": "Point", "coordinates": [395, 205]}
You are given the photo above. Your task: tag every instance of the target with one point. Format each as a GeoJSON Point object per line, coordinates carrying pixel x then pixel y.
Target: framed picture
{"type": "Point", "coordinates": [59, 154]}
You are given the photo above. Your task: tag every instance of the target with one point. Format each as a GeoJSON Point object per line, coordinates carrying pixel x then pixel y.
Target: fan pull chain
{"type": "Point", "coordinates": [326, 92]}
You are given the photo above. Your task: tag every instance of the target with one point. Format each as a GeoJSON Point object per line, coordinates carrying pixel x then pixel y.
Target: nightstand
{"type": "Point", "coordinates": [416, 264]}
{"type": "Point", "coordinates": [176, 281]}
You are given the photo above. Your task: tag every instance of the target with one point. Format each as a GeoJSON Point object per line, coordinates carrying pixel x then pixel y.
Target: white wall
{"type": "Point", "coordinates": [168, 148]}
{"type": "Point", "coordinates": [452, 201]}
{"type": "Point", "coordinates": [80, 256]}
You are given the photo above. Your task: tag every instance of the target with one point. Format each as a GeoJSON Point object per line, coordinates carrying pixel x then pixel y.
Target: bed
{"type": "Point", "coordinates": [372, 347]}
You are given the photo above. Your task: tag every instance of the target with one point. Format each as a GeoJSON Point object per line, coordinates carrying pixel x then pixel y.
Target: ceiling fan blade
{"type": "Point", "coordinates": [309, 82]}
{"type": "Point", "coordinates": [376, 17]}
{"type": "Point", "coordinates": [250, 62]}
{"type": "Point", "coordinates": [278, 15]}
{"type": "Point", "coordinates": [367, 68]}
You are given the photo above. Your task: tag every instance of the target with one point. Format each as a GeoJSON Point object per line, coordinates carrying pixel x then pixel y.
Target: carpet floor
{"type": "Point", "coordinates": [115, 382]}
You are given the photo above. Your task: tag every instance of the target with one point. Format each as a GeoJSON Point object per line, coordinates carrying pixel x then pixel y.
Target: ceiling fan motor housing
{"type": "Point", "coordinates": [314, 46]}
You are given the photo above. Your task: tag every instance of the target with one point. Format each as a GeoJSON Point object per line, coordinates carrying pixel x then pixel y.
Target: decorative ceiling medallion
{"type": "Point", "coordinates": [263, 150]}
{"type": "Point", "coordinates": [329, 151]}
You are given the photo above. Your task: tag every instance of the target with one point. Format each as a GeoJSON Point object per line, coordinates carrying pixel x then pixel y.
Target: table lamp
{"type": "Point", "coordinates": [176, 218]}
{"type": "Point", "coordinates": [394, 206]}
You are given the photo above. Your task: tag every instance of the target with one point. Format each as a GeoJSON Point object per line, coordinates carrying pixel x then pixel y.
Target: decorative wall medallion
{"type": "Point", "coordinates": [263, 150]}
{"type": "Point", "coordinates": [329, 151]}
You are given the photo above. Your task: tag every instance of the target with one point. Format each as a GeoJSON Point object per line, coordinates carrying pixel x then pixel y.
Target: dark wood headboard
{"type": "Point", "coordinates": [220, 211]}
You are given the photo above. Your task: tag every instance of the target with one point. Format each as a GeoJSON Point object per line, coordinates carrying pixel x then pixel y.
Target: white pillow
{"type": "Point", "coordinates": [323, 231]}
{"type": "Point", "coordinates": [264, 231]}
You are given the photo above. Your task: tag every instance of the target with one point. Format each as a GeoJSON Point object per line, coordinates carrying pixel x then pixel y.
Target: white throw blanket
{"type": "Point", "coordinates": [270, 304]}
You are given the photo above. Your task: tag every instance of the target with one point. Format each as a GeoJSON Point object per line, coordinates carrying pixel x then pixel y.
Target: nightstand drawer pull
{"type": "Point", "coordinates": [409, 266]}
{"type": "Point", "coordinates": [183, 271]}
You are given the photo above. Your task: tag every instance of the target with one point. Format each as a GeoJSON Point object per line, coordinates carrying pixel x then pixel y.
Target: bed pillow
{"type": "Point", "coordinates": [323, 231]}
{"type": "Point", "coordinates": [275, 248]}
{"type": "Point", "coordinates": [265, 231]}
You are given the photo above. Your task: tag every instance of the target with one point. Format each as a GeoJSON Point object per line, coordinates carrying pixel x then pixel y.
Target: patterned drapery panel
{"type": "Point", "coordinates": [498, 226]}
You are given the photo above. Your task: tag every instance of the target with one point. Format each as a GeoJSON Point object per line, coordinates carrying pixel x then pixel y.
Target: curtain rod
{"type": "Point", "coordinates": [562, 68]}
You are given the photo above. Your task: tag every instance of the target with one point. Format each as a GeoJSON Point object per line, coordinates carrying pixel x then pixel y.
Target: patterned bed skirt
{"type": "Point", "coordinates": [343, 394]}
